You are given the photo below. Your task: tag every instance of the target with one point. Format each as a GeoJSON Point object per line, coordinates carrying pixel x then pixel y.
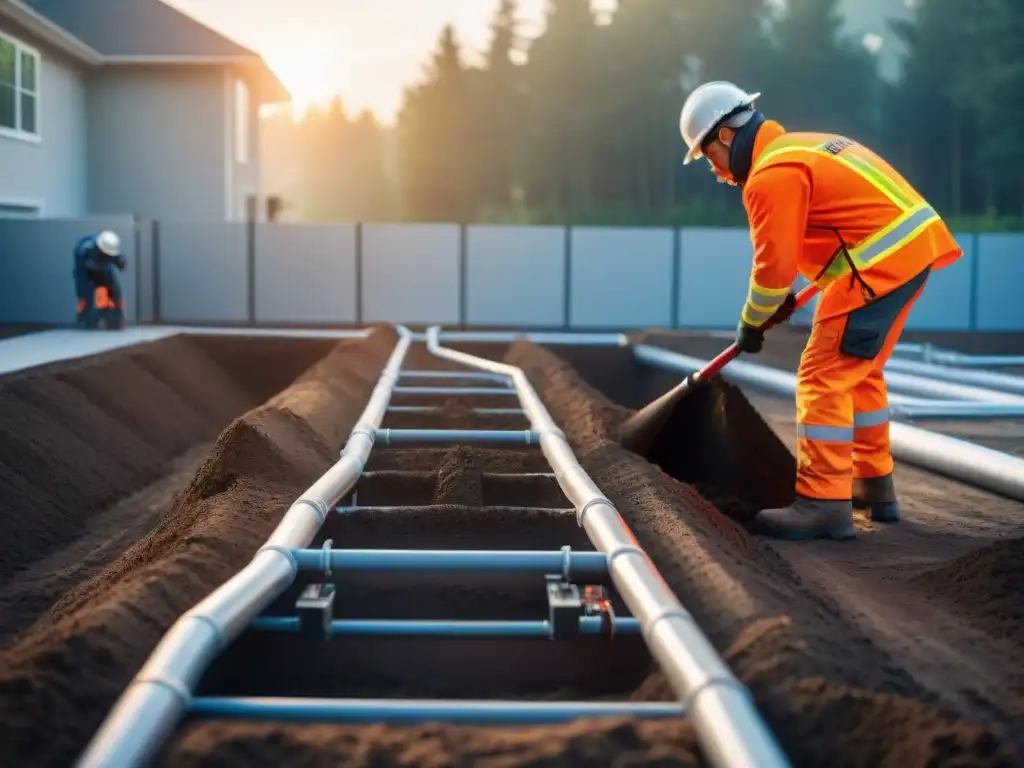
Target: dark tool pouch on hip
{"type": "Point", "coordinates": [868, 327]}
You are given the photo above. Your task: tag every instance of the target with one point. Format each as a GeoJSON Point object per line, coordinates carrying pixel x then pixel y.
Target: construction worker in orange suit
{"type": "Point", "coordinates": [833, 211]}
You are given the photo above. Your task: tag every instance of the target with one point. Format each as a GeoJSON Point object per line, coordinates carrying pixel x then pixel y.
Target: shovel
{"type": "Point", "coordinates": [639, 432]}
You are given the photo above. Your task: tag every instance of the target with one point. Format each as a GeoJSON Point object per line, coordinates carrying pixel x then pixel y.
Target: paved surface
{"type": "Point", "coordinates": [19, 353]}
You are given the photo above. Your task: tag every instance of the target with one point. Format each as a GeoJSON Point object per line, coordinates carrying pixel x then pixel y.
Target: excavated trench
{"type": "Point", "coordinates": [830, 694]}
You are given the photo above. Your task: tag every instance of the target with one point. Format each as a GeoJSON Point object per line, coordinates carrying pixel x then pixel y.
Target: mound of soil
{"type": "Point", "coordinates": [828, 693]}
{"type": "Point", "coordinates": [459, 479]}
{"type": "Point", "coordinates": [80, 435]}
{"type": "Point", "coordinates": [596, 744]}
{"type": "Point", "coordinates": [72, 672]}
{"type": "Point", "coordinates": [988, 585]}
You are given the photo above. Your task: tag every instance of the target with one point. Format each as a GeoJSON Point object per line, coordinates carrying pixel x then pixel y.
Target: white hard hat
{"type": "Point", "coordinates": [109, 243]}
{"type": "Point", "coordinates": [705, 108]}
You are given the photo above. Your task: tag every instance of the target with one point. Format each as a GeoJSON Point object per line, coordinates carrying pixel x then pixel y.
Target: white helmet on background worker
{"type": "Point", "coordinates": [708, 106]}
{"type": "Point", "coordinates": [109, 243]}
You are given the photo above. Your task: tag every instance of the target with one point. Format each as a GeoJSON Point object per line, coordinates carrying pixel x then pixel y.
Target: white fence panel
{"type": "Point", "coordinates": [515, 276]}
{"type": "Point", "coordinates": [306, 273]}
{"type": "Point", "coordinates": [714, 275]}
{"type": "Point", "coordinates": [1000, 280]}
{"type": "Point", "coordinates": [203, 272]}
{"type": "Point", "coordinates": [621, 277]}
{"type": "Point", "coordinates": [411, 273]}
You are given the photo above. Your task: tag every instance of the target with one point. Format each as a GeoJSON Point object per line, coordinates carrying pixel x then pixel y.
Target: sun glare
{"type": "Point", "coordinates": [307, 76]}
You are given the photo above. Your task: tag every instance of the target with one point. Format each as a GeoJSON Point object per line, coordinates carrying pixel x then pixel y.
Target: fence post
{"type": "Point", "coordinates": [974, 287]}
{"type": "Point", "coordinates": [567, 277]}
{"type": "Point", "coordinates": [463, 276]}
{"type": "Point", "coordinates": [137, 266]}
{"type": "Point", "coordinates": [158, 316]}
{"type": "Point", "coordinates": [250, 256]}
{"type": "Point", "coordinates": [677, 274]}
{"type": "Point", "coordinates": [359, 273]}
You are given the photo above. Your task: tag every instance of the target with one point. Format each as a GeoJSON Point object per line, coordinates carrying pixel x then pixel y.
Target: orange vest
{"type": "Point", "coordinates": [866, 230]}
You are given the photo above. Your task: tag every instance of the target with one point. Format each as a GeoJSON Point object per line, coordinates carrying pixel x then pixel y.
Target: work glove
{"type": "Point", "coordinates": [749, 339]}
{"type": "Point", "coordinates": [783, 313]}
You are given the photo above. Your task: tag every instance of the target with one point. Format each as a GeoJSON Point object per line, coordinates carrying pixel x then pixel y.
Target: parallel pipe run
{"type": "Point", "coordinates": [397, 472]}
{"type": "Point", "coordinates": [927, 386]}
{"type": "Point", "coordinates": [571, 339]}
{"type": "Point", "coordinates": [780, 382]}
{"type": "Point", "coordinates": [938, 356]}
{"type": "Point", "coordinates": [455, 391]}
{"type": "Point", "coordinates": [589, 625]}
{"type": "Point", "coordinates": [992, 380]}
{"type": "Point", "coordinates": [414, 712]}
{"type": "Point", "coordinates": [413, 509]}
{"type": "Point", "coordinates": [437, 409]}
{"type": "Point", "coordinates": [456, 375]}
{"type": "Point", "coordinates": [731, 732]}
{"type": "Point", "coordinates": [159, 695]}
{"type": "Point", "coordinates": [957, 411]}
{"type": "Point", "coordinates": [458, 436]}
{"type": "Point", "coordinates": [974, 464]}
{"type": "Point", "coordinates": [571, 564]}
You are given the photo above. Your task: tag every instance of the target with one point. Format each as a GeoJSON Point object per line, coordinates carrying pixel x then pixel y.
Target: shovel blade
{"type": "Point", "coordinates": [709, 435]}
{"type": "Point", "coordinates": [640, 431]}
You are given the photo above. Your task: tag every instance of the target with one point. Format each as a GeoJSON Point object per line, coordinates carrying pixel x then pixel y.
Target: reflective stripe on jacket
{"type": "Point", "coordinates": [838, 214]}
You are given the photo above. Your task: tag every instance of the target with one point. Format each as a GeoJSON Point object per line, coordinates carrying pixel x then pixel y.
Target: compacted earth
{"type": "Point", "coordinates": [121, 508]}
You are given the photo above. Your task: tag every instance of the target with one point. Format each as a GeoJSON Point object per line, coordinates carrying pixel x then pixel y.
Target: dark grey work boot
{"type": "Point", "coordinates": [808, 518]}
{"type": "Point", "coordinates": [879, 495]}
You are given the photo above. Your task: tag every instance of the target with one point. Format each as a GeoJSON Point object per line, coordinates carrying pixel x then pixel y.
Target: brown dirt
{"type": "Point", "coordinates": [834, 691]}
{"type": "Point", "coordinates": [834, 694]}
{"type": "Point", "coordinates": [937, 591]}
{"type": "Point", "coordinates": [985, 584]}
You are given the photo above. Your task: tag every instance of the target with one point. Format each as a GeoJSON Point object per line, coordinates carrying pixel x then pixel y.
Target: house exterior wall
{"type": "Point", "coordinates": [157, 142]}
{"type": "Point", "coordinates": [244, 173]}
{"type": "Point", "coordinates": [50, 172]}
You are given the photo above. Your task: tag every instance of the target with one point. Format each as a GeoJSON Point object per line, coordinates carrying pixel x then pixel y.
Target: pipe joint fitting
{"type": "Point", "coordinates": [625, 549]}
{"type": "Point", "coordinates": [364, 429]}
{"type": "Point", "coordinates": [317, 505]}
{"type": "Point", "coordinates": [582, 512]}
{"type": "Point", "coordinates": [286, 552]}
{"type": "Point", "coordinates": [176, 687]}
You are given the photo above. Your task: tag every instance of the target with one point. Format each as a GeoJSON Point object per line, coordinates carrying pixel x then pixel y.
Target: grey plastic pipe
{"type": "Point", "coordinates": [991, 380]}
{"type": "Point", "coordinates": [156, 700]}
{"type": "Point", "coordinates": [973, 464]}
{"type": "Point", "coordinates": [936, 389]}
{"type": "Point", "coordinates": [551, 338]}
{"type": "Point", "coordinates": [932, 354]}
{"type": "Point", "coordinates": [729, 728]}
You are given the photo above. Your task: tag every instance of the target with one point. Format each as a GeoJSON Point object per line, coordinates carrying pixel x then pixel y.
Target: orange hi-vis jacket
{"type": "Point", "coordinates": [838, 214]}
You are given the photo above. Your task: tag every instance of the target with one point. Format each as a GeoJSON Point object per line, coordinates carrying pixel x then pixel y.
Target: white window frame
{"type": "Point", "coordinates": [37, 207]}
{"type": "Point", "coordinates": [243, 122]}
{"type": "Point", "coordinates": [16, 133]}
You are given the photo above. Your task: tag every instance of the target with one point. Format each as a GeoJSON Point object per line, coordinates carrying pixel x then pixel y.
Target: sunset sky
{"type": "Point", "coordinates": [366, 50]}
{"type": "Point", "coordinates": [369, 50]}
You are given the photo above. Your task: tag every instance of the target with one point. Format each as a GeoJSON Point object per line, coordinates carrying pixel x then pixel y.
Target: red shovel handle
{"type": "Point", "coordinates": [730, 354]}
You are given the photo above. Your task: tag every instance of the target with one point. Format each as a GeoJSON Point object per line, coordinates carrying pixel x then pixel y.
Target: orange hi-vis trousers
{"type": "Point", "coordinates": [842, 411]}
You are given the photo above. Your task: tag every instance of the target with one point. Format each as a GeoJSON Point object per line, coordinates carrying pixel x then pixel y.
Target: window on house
{"type": "Point", "coordinates": [19, 89]}
{"type": "Point", "coordinates": [19, 211]}
{"type": "Point", "coordinates": [242, 123]}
